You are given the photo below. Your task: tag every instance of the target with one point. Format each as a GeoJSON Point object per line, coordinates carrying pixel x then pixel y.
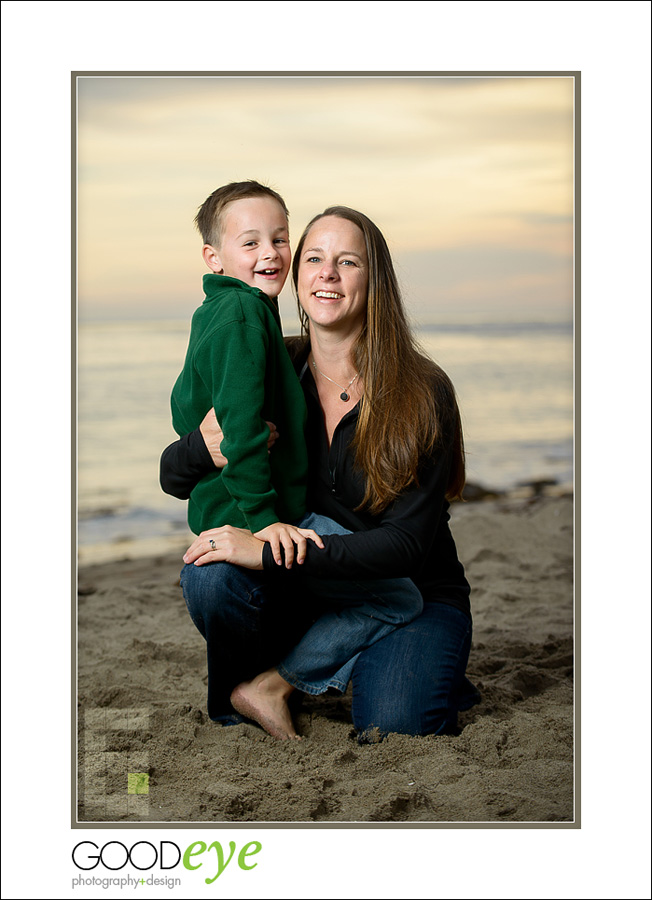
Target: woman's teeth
{"type": "Point", "coordinates": [328, 295]}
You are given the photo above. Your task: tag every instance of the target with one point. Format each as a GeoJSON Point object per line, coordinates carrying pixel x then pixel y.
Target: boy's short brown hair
{"type": "Point", "coordinates": [209, 218]}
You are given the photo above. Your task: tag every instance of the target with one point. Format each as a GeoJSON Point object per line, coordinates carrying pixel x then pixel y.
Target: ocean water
{"type": "Point", "coordinates": [514, 383]}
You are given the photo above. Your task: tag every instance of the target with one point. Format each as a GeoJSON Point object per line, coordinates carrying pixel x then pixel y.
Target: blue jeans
{"type": "Point", "coordinates": [247, 622]}
{"type": "Point", "coordinates": [412, 681]}
{"type": "Point", "coordinates": [354, 615]}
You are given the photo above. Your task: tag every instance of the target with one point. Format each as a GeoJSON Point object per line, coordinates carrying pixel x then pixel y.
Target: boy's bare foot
{"type": "Point", "coordinates": [264, 699]}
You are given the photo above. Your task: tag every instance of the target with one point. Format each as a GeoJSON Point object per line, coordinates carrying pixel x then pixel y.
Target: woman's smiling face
{"type": "Point", "coordinates": [334, 275]}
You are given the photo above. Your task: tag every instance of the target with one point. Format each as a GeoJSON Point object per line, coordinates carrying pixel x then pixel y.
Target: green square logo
{"type": "Point", "coordinates": [137, 783]}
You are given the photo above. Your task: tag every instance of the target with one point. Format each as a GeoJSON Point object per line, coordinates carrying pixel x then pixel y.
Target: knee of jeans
{"type": "Point", "coordinates": [217, 588]}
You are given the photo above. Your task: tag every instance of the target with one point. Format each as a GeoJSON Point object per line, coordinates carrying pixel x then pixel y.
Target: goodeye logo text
{"type": "Point", "coordinates": [114, 855]}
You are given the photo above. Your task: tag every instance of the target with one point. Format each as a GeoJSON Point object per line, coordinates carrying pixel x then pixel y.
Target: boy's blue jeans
{"type": "Point", "coordinates": [356, 615]}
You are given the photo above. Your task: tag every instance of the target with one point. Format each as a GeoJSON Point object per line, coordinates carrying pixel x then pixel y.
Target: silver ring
{"type": "Point", "coordinates": [213, 544]}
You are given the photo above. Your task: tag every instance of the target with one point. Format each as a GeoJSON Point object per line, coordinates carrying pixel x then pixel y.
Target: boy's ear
{"type": "Point", "coordinates": [212, 259]}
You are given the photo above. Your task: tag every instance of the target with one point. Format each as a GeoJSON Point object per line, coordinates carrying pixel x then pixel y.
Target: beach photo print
{"type": "Point", "coordinates": [419, 669]}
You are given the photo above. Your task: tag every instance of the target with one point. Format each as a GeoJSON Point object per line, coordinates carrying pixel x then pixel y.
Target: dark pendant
{"type": "Point", "coordinates": [344, 396]}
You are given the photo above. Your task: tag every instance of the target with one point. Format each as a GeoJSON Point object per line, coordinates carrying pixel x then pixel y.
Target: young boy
{"type": "Point", "coordinates": [237, 363]}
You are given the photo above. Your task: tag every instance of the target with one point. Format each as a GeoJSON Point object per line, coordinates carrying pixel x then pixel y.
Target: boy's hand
{"type": "Point", "coordinates": [286, 536]}
{"type": "Point", "coordinates": [226, 544]}
{"type": "Point", "coordinates": [213, 434]}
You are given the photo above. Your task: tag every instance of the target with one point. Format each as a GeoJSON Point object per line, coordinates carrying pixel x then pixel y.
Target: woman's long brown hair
{"type": "Point", "coordinates": [409, 408]}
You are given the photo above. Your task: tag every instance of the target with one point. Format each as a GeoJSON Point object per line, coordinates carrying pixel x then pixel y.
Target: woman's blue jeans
{"type": "Point", "coordinates": [412, 681]}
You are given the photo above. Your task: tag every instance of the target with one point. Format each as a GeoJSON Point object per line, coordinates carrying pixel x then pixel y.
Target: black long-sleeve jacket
{"type": "Point", "coordinates": [410, 538]}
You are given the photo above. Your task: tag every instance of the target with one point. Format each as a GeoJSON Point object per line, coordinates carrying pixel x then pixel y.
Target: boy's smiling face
{"type": "Point", "coordinates": [254, 245]}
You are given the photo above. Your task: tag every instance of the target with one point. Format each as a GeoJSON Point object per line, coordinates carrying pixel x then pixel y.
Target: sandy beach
{"type": "Point", "coordinates": [148, 752]}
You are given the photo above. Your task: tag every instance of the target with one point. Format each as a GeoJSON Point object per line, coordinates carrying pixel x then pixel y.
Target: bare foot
{"type": "Point", "coordinates": [264, 699]}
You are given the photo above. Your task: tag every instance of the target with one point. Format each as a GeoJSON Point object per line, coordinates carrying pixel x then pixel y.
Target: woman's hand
{"type": "Point", "coordinates": [213, 434]}
{"type": "Point", "coordinates": [226, 544]}
{"type": "Point", "coordinates": [287, 536]}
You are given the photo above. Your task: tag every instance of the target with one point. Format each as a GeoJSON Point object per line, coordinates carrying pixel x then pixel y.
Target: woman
{"type": "Point", "coordinates": [386, 454]}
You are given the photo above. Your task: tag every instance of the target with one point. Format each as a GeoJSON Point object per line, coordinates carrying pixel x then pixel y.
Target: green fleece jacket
{"type": "Point", "coordinates": [237, 363]}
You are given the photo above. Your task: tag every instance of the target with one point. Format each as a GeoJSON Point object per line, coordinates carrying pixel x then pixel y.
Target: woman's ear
{"type": "Point", "coordinates": [212, 259]}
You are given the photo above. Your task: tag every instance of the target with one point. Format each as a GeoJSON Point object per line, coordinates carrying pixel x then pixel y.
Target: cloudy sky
{"type": "Point", "coordinates": [470, 179]}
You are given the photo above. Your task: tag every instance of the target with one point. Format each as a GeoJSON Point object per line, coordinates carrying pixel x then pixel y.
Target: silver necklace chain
{"type": "Point", "coordinates": [345, 396]}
